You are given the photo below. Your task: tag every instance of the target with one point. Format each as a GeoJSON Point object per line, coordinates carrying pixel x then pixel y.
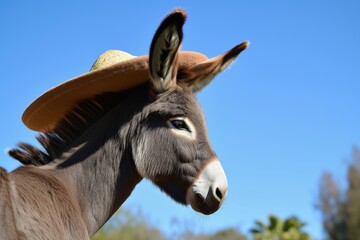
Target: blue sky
{"type": "Point", "coordinates": [285, 111]}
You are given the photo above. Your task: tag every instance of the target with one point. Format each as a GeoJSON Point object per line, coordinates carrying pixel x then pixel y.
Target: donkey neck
{"type": "Point", "coordinates": [99, 168]}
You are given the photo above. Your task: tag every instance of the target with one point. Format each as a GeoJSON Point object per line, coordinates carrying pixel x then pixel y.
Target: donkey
{"type": "Point", "coordinates": [106, 145]}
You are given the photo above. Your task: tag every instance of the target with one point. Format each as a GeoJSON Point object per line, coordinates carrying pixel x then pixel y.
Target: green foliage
{"type": "Point", "coordinates": [126, 226]}
{"type": "Point", "coordinates": [352, 204]}
{"type": "Point", "coordinates": [340, 208]}
{"type": "Point", "coordinates": [290, 229]}
{"type": "Point", "coordinates": [226, 234]}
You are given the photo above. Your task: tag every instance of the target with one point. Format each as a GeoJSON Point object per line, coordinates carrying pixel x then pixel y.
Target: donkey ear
{"type": "Point", "coordinates": [201, 74]}
{"type": "Point", "coordinates": [164, 49]}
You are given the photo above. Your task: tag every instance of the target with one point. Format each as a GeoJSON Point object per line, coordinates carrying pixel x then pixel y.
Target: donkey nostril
{"type": "Point", "coordinates": [218, 193]}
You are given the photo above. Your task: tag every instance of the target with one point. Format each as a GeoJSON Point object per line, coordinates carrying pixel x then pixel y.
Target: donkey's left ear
{"type": "Point", "coordinates": [164, 51]}
{"type": "Point", "coordinates": [201, 74]}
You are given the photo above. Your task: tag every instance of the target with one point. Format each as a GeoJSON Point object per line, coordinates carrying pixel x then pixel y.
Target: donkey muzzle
{"type": "Point", "coordinates": [208, 192]}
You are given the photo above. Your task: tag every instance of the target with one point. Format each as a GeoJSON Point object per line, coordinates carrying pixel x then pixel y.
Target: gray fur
{"type": "Point", "coordinates": [101, 150]}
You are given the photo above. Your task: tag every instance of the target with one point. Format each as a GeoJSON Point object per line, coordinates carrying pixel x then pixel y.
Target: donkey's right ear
{"type": "Point", "coordinates": [164, 51]}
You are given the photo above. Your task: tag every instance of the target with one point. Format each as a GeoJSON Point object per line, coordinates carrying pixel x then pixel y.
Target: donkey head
{"type": "Point", "coordinates": [172, 148]}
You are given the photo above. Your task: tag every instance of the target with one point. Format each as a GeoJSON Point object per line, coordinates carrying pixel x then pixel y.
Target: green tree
{"type": "Point", "coordinates": [225, 234]}
{"type": "Point", "coordinates": [340, 208]}
{"type": "Point", "coordinates": [290, 229]}
{"type": "Point", "coordinates": [228, 234]}
{"type": "Point", "coordinates": [352, 206]}
{"type": "Point", "coordinates": [125, 225]}
{"type": "Point", "coordinates": [333, 208]}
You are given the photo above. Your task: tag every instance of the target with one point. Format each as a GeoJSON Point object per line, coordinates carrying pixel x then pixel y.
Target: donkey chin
{"type": "Point", "coordinates": [208, 192]}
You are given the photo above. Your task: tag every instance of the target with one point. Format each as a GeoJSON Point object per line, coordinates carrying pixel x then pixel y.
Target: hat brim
{"type": "Point", "coordinates": [47, 110]}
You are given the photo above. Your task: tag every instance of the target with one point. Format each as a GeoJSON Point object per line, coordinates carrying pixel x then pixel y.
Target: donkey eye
{"type": "Point", "coordinates": [180, 125]}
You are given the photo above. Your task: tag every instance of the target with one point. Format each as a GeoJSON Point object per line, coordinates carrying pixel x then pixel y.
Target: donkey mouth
{"type": "Point", "coordinates": [209, 191]}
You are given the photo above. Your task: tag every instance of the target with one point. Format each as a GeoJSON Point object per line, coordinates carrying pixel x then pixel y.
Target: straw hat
{"type": "Point", "coordinates": [113, 71]}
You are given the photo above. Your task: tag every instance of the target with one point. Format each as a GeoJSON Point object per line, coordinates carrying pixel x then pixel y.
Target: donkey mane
{"type": "Point", "coordinates": [60, 139]}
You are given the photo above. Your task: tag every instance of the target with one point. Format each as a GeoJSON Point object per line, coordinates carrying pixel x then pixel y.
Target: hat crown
{"type": "Point", "coordinates": [110, 57]}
